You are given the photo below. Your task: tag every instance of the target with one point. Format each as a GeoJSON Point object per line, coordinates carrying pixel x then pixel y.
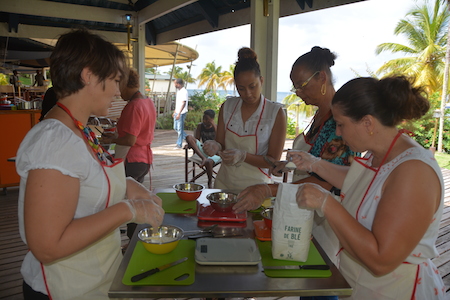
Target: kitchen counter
{"type": "Point", "coordinates": [227, 281]}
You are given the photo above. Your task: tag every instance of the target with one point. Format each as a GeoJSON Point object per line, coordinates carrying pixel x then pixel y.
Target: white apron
{"type": "Point", "coordinates": [241, 175]}
{"type": "Point", "coordinates": [322, 231]}
{"type": "Point", "coordinates": [402, 283]}
{"type": "Point", "coordinates": [300, 143]}
{"type": "Point", "coordinates": [88, 273]}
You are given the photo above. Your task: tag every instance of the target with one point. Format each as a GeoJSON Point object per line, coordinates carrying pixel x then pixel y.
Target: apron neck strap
{"type": "Point", "coordinates": [399, 133]}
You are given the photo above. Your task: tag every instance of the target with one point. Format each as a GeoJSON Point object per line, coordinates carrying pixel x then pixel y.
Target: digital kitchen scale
{"type": "Point", "coordinates": [227, 251]}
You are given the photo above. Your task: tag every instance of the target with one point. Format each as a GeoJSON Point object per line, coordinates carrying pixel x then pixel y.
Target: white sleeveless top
{"type": "Point", "coordinates": [416, 278]}
{"type": "Point", "coordinates": [260, 123]}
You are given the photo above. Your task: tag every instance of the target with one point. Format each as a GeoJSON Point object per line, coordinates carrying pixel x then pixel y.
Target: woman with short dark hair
{"type": "Point", "coordinates": [72, 193]}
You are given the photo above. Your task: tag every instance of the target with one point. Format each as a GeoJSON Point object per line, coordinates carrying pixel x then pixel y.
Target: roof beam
{"type": "Point", "coordinates": [46, 32]}
{"type": "Point", "coordinates": [301, 3]}
{"type": "Point", "coordinates": [161, 8]}
{"type": "Point", "coordinates": [63, 10]}
{"type": "Point", "coordinates": [209, 12]}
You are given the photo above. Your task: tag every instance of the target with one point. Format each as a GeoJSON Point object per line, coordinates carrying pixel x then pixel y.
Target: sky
{"type": "Point", "coordinates": [351, 31]}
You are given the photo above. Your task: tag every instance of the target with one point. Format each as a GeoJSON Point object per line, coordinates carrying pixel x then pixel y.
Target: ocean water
{"type": "Point", "coordinates": [280, 95]}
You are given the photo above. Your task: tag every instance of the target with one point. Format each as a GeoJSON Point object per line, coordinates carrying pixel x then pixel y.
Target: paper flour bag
{"type": "Point", "coordinates": [291, 226]}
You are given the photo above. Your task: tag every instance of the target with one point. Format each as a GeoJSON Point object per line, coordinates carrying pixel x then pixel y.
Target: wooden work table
{"type": "Point", "coordinates": [15, 124]}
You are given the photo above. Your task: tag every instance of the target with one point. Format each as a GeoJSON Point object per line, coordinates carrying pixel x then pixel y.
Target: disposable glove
{"type": "Point", "coordinates": [232, 157]}
{"type": "Point", "coordinates": [312, 196]}
{"type": "Point", "coordinates": [211, 147]}
{"type": "Point", "coordinates": [252, 197]}
{"type": "Point", "coordinates": [145, 211]}
{"type": "Point", "coordinates": [303, 160]}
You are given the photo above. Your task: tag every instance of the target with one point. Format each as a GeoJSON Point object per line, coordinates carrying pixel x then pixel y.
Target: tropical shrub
{"type": "Point", "coordinates": [290, 130]}
{"type": "Point", "coordinates": [4, 80]}
{"type": "Point", "coordinates": [198, 103]}
{"type": "Point", "coordinates": [423, 131]}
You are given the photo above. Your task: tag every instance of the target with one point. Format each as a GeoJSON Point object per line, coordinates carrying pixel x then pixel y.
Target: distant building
{"type": "Point", "coordinates": [159, 83]}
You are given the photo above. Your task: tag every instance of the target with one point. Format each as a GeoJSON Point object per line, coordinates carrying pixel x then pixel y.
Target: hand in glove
{"type": "Point", "coordinates": [211, 147]}
{"type": "Point", "coordinates": [233, 156]}
{"type": "Point", "coordinates": [252, 197]}
{"type": "Point", "coordinates": [145, 211]}
{"type": "Point", "coordinates": [312, 196]}
{"type": "Point", "coordinates": [303, 160]}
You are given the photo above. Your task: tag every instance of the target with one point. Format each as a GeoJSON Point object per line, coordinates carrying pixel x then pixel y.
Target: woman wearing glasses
{"type": "Point", "coordinates": [313, 83]}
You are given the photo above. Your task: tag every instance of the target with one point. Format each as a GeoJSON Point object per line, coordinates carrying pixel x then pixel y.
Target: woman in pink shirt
{"type": "Point", "coordinates": [135, 129]}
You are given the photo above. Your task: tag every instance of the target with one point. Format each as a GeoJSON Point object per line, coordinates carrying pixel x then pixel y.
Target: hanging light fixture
{"type": "Point", "coordinates": [127, 20]}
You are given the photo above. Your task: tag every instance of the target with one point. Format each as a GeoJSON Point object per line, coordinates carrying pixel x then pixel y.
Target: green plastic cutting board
{"type": "Point", "coordinates": [314, 258]}
{"type": "Point", "coordinates": [174, 205]}
{"type": "Point", "coordinates": [142, 260]}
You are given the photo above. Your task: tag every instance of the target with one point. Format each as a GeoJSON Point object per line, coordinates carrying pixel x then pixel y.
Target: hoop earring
{"type": "Point", "coordinates": [323, 89]}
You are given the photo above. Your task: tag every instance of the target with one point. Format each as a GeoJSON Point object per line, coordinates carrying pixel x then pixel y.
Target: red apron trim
{"type": "Point", "coordinates": [415, 283]}
{"type": "Point", "coordinates": [259, 121]}
{"type": "Point", "coordinates": [378, 169]}
{"type": "Point", "coordinates": [45, 282]}
{"type": "Point", "coordinates": [363, 161]}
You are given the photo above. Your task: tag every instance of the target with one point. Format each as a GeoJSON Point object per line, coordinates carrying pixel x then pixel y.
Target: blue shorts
{"type": "Point", "coordinates": [215, 158]}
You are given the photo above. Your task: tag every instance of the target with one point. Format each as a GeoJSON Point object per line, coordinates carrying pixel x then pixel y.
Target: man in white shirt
{"type": "Point", "coordinates": [179, 114]}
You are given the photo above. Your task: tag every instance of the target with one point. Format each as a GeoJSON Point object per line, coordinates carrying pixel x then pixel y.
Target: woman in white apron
{"type": "Point", "coordinates": [249, 128]}
{"type": "Point", "coordinates": [71, 199]}
{"type": "Point", "coordinates": [392, 199]}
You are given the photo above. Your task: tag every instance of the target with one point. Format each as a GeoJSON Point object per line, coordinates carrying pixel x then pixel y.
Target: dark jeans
{"type": "Point", "coordinates": [137, 170]}
{"type": "Point", "coordinates": [30, 294]}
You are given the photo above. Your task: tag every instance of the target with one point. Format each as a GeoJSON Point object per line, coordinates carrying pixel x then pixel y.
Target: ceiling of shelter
{"type": "Point", "coordinates": [164, 20]}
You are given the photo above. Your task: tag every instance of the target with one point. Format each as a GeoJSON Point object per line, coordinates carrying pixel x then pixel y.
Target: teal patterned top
{"type": "Point", "coordinates": [327, 145]}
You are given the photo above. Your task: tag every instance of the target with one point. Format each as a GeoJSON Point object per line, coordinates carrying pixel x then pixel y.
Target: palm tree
{"type": "Point", "coordinates": [176, 72]}
{"type": "Point", "coordinates": [210, 76]}
{"type": "Point", "coordinates": [296, 105]}
{"type": "Point", "coordinates": [425, 29]}
{"type": "Point", "coordinates": [444, 91]}
{"type": "Point", "coordinates": [186, 76]}
{"type": "Point", "coordinates": [227, 78]}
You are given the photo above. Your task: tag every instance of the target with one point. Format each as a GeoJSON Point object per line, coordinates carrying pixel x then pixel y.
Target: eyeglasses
{"type": "Point", "coordinates": [302, 86]}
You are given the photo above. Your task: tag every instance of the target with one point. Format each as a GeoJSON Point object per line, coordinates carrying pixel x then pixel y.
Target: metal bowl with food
{"type": "Point", "coordinates": [267, 216]}
{"type": "Point", "coordinates": [160, 240]}
{"type": "Point", "coordinates": [188, 191]}
{"type": "Point", "coordinates": [222, 201]}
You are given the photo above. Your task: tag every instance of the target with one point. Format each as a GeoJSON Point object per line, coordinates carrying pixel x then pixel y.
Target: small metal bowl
{"type": "Point", "coordinates": [160, 240]}
{"type": "Point", "coordinates": [222, 201]}
{"type": "Point", "coordinates": [188, 191]}
{"type": "Point", "coordinates": [267, 215]}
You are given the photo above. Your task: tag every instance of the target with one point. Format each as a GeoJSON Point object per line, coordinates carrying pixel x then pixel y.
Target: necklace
{"type": "Point", "coordinates": [102, 155]}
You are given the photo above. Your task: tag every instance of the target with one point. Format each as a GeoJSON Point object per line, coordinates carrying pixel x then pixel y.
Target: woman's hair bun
{"type": "Point", "coordinates": [325, 53]}
{"type": "Point", "coordinates": [246, 53]}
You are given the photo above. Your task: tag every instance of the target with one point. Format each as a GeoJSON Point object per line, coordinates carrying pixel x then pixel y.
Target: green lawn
{"type": "Point", "coordinates": [443, 160]}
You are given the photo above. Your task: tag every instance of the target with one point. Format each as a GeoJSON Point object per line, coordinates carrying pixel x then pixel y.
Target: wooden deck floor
{"type": "Point", "coordinates": [168, 169]}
